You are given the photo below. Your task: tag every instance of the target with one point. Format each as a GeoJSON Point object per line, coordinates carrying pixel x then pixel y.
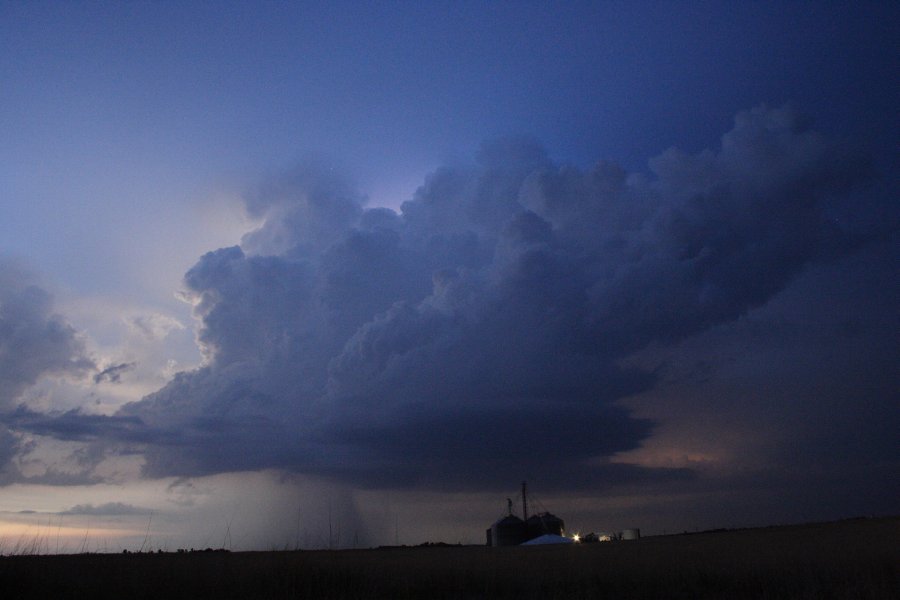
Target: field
{"type": "Point", "coordinates": [857, 558]}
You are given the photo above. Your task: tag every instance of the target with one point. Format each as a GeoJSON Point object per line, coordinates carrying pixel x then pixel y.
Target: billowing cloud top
{"type": "Point", "coordinates": [480, 332]}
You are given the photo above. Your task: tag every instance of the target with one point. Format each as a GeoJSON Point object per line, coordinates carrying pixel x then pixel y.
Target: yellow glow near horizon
{"type": "Point", "coordinates": [12, 530]}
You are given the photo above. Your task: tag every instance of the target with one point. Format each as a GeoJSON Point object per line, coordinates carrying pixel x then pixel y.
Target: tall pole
{"type": "Point", "coordinates": [524, 504]}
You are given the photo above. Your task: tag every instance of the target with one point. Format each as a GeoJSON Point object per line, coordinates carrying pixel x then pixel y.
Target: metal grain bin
{"type": "Point", "coordinates": [508, 531]}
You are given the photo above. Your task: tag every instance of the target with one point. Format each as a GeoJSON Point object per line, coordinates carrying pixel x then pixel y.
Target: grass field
{"type": "Point", "coordinates": [848, 559]}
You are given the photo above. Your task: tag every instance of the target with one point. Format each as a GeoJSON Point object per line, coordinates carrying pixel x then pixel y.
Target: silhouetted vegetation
{"type": "Point", "coordinates": [848, 559]}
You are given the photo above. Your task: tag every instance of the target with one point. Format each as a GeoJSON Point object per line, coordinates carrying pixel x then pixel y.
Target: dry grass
{"type": "Point", "coordinates": [848, 559]}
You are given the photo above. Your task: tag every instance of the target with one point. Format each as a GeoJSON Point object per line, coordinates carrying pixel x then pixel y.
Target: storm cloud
{"type": "Point", "coordinates": [481, 330]}
{"type": "Point", "coordinates": [34, 339]}
{"type": "Point", "coordinates": [479, 334]}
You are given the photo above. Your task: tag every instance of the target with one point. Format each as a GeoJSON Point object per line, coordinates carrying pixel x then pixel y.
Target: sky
{"type": "Point", "coordinates": [345, 274]}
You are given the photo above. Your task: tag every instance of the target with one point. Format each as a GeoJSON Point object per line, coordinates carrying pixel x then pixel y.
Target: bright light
{"type": "Point", "coordinates": [576, 538]}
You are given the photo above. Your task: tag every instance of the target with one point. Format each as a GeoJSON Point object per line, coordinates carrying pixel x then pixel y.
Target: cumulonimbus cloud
{"type": "Point", "coordinates": [480, 331]}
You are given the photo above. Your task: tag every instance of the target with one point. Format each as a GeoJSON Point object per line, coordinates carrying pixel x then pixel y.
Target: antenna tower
{"type": "Point", "coordinates": [524, 504]}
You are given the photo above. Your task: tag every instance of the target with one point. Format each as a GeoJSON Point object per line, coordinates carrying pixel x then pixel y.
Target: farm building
{"type": "Point", "coordinates": [548, 538]}
{"type": "Point", "coordinates": [512, 531]}
{"type": "Point", "coordinates": [508, 531]}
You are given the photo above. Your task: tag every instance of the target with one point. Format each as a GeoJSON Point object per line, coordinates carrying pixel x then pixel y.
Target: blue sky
{"type": "Point", "coordinates": [139, 137]}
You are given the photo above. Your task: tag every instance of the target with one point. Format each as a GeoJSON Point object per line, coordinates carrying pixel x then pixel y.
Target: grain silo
{"type": "Point", "coordinates": [511, 530]}
{"type": "Point", "coordinates": [543, 524]}
{"type": "Point", "coordinates": [508, 531]}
